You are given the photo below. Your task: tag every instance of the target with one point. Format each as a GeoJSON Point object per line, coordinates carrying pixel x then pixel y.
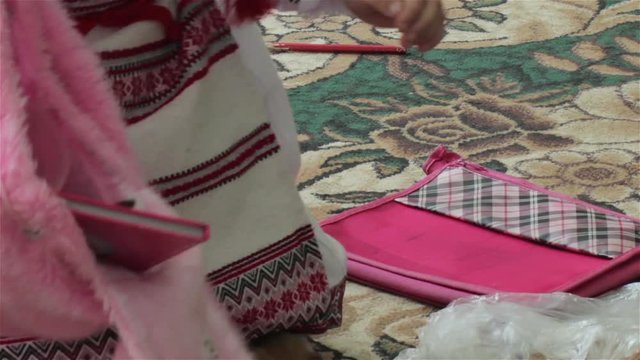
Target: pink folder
{"type": "Point", "coordinates": [467, 230]}
{"type": "Point", "coordinates": [133, 239]}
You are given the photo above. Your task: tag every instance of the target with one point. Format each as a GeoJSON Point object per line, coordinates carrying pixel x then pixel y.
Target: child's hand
{"type": "Point", "coordinates": [420, 21]}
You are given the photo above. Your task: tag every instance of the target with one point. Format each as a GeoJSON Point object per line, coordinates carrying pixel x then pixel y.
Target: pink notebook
{"type": "Point", "coordinates": [133, 239]}
{"type": "Point", "coordinates": [467, 230]}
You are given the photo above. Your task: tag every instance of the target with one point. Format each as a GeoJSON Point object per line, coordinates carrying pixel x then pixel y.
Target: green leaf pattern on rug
{"type": "Point", "coordinates": [464, 26]}
{"type": "Point", "coordinates": [483, 3]}
{"type": "Point", "coordinates": [352, 197]}
{"type": "Point", "coordinates": [620, 58]}
{"type": "Point", "coordinates": [480, 102]}
{"type": "Point", "coordinates": [461, 18]}
{"type": "Point", "coordinates": [390, 166]}
{"type": "Point", "coordinates": [492, 16]}
{"type": "Point", "coordinates": [356, 157]}
{"type": "Point", "coordinates": [609, 3]}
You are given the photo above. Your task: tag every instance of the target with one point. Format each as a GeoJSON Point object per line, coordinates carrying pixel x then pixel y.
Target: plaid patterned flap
{"type": "Point", "coordinates": [516, 210]}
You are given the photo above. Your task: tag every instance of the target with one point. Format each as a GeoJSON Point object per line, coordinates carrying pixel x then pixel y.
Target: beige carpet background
{"type": "Point", "coordinates": [546, 90]}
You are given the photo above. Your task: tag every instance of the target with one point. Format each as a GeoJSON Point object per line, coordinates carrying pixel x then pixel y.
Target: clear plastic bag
{"type": "Point", "coordinates": [534, 326]}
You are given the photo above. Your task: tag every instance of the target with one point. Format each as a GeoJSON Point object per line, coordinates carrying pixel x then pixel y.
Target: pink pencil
{"type": "Point", "coordinates": [339, 48]}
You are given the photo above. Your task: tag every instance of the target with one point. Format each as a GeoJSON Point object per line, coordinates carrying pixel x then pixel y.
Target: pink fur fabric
{"type": "Point", "coordinates": [61, 130]}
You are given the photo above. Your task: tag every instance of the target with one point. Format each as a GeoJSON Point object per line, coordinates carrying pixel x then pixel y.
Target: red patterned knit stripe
{"type": "Point", "coordinates": [230, 49]}
{"type": "Point", "coordinates": [10, 340]}
{"type": "Point", "coordinates": [206, 4]}
{"type": "Point", "coordinates": [245, 140]}
{"type": "Point", "coordinates": [261, 257]}
{"type": "Point", "coordinates": [159, 60]}
{"type": "Point", "coordinates": [263, 260]}
{"type": "Point", "coordinates": [255, 148]}
{"type": "Point", "coordinates": [228, 178]}
{"type": "Point", "coordinates": [134, 51]}
{"type": "Point", "coordinates": [186, 64]}
{"type": "Point", "coordinates": [327, 318]}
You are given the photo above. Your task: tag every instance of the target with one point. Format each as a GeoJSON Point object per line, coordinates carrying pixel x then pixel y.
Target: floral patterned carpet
{"type": "Point", "coordinates": [546, 90]}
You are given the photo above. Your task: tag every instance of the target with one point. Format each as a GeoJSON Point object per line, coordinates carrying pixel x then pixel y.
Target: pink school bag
{"type": "Point", "coordinates": [468, 230]}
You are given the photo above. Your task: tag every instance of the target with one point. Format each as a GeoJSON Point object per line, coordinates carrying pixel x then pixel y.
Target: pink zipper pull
{"type": "Point", "coordinates": [440, 157]}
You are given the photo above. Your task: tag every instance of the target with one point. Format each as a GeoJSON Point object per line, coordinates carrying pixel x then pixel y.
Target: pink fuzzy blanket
{"type": "Point", "coordinates": [60, 130]}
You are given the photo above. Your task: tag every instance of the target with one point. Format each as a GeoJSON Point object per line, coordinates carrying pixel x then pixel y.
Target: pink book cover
{"type": "Point", "coordinates": [133, 239]}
